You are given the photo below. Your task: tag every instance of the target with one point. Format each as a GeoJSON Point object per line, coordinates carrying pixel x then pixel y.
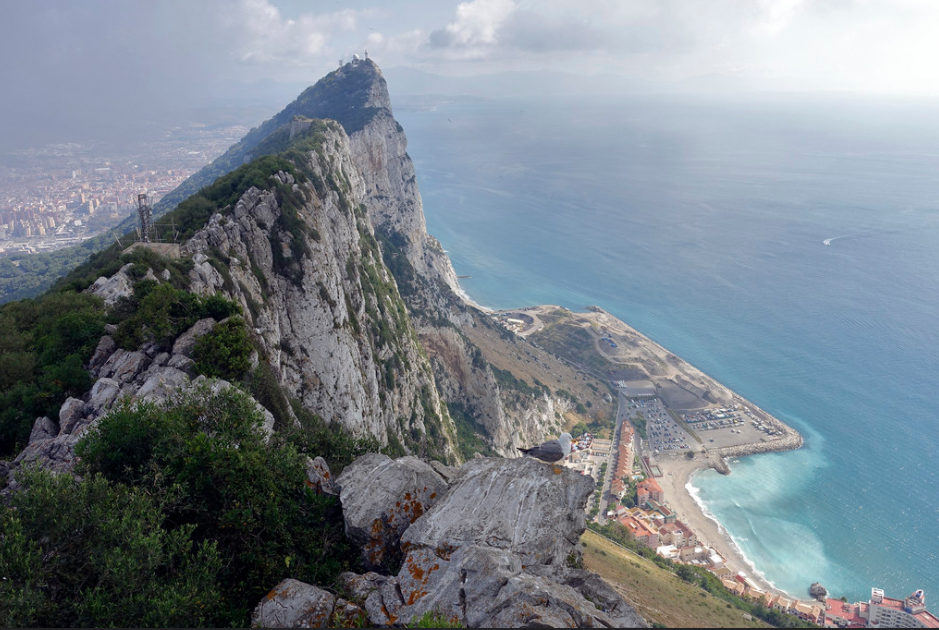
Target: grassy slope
{"type": "Point", "coordinates": [658, 595]}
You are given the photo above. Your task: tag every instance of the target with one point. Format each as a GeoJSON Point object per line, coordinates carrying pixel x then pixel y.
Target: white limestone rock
{"type": "Point", "coordinates": [43, 429]}
{"type": "Point", "coordinates": [112, 289]}
{"type": "Point", "coordinates": [187, 341]}
{"type": "Point", "coordinates": [70, 413]}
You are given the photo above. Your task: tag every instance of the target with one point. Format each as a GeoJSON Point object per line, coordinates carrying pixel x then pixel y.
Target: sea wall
{"type": "Point", "coordinates": [717, 461]}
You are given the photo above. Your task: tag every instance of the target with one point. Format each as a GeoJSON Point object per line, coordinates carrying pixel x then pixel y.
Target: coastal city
{"type": "Point", "coordinates": [653, 524]}
{"type": "Point", "coordinates": [61, 194]}
{"type": "Point", "coordinates": [642, 469]}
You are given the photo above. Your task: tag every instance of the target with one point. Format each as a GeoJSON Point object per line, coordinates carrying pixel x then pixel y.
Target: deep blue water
{"type": "Point", "coordinates": [702, 225]}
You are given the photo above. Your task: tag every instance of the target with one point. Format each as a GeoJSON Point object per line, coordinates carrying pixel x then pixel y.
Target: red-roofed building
{"type": "Point", "coordinates": [643, 533]}
{"type": "Point", "coordinates": [841, 615]}
{"type": "Point", "coordinates": [648, 489]}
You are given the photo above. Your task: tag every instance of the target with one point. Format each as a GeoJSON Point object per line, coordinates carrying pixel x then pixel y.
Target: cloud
{"type": "Point", "coordinates": [475, 27]}
{"type": "Point", "coordinates": [264, 35]}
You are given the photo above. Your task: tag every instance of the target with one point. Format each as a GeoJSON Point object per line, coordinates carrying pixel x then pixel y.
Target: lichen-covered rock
{"type": "Point", "coordinates": [492, 552]}
{"type": "Point", "coordinates": [295, 604]}
{"type": "Point", "coordinates": [519, 505]}
{"type": "Point", "coordinates": [484, 587]}
{"type": "Point", "coordinates": [596, 591]}
{"type": "Point", "coordinates": [318, 477]}
{"type": "Point", "coordinates": [380, 499]}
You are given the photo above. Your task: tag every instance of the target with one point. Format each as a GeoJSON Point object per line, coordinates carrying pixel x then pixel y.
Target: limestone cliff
{"type": "Point", "coordinates": [326, 311]}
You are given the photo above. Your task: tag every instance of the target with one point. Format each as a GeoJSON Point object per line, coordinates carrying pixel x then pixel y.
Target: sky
{"type": "Point", "coordinates": [70, 62]}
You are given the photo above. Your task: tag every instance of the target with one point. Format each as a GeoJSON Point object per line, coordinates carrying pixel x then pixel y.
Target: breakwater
{"type": "Point", "coordinates": [717, 456]}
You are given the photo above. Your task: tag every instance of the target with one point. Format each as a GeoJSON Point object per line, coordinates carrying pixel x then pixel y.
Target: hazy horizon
{"type": "Point", "coordinates": [110, 69]}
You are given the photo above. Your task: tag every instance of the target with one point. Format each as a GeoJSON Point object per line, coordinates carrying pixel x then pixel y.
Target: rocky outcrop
{"type": "Point", "coordinates": [497, 549]}
{"type": "Point", "coordinates": [380, 499]}
{"type": "Point", "coordinates": [464, 377]}
{"type": "Point", "coordinates": [326, 311]}
{"type": "Point", "coordinates": [394, 202]}
{"type": "Point", "coordinates": [121, 375]}
{"type": "Point", "coordinates": [112, 289]}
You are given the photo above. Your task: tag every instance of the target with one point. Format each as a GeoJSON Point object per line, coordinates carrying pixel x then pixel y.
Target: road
{"type": "Point", "coordinates": [621, 414]}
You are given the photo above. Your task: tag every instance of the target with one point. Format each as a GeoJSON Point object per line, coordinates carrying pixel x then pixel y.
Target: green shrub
{"type": "Point", "coordinates": [44, 344]}
{"type": "Point", "coordinates": [237, 490]}
{"type": "Point", "coordinates": [92, 554]}
{"type": "Point", "coordinates": [434, 619]}
{"type": "Point", "coordinates": [159, 313]}
{"type": "Point", "coordinates": [225, 351]}
{"type": "Point", "coordinates": [332, 442]}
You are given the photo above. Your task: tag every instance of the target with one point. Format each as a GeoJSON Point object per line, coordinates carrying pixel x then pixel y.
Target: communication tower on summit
{"type": "Point", "coordinates": [145, 212]}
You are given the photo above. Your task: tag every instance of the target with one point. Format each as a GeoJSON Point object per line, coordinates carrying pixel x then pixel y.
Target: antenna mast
{"type": "Point", "coordinates": [146, 217]}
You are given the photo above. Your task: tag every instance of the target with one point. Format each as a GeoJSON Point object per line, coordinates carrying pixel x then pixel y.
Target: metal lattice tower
{"type": "Point", "coordinates": [146, 217]}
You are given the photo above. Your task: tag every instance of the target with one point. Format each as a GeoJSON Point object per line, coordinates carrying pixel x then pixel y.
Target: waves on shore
{"type": "Point", "coordinates": [734, 542]}
{"type": "Point", "coordinates": [763, 503]}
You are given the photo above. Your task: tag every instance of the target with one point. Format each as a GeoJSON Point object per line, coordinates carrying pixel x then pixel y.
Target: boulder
{"type": "Point", "coordinates": [124, 366]}
{"type": "Point", "coordinates": [114, 288]}
{"type": "Point", "coordinates": [70, 414]}
{"type": "Point", "coordinates": [447, 472]}
{"type": "Point", "coordinates": [318, 476]}
{"type": "Point", "coordinates": [43, 429]}
{"type": "Point", "coordinates": [181, 362]}
{"type": "Point", "coordinates": [380, 499]}
{"type": "Point", "coordinates": [595, 590]}
{"type": "Point", "coordinates": [485, 587]}
{"type": "Point", "coordinates": [161, 383]}
{"type": "Point", "coordinates": [295, 604]}
{"type": "Point", "coordinates": [187, 341]}
{"type": "Point", "coordinates": [493, 552]}
{"type": "Point", "coordinates": [104, 350]}
{"type": "Point", "coordinates": [519, 505]}
{"type": "Point", "coordinates": [103, 394]}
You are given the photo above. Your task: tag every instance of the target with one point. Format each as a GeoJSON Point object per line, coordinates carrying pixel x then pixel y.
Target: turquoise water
{"type": "Point", "coordinates": [704, 226]}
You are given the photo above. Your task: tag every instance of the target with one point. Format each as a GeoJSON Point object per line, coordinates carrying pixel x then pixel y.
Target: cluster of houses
{"type": "Point", "coordinates": [880, 611]}
{"type": "Point", "coordinates": [655, 525]}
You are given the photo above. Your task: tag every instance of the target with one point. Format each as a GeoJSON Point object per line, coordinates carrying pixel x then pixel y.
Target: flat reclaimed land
{"type": "Point", "coordinates": [721, 422]}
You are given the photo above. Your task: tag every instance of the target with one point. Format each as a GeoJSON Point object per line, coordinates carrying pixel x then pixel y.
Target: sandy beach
{"type": "Point", "coordinates": [676, 474]}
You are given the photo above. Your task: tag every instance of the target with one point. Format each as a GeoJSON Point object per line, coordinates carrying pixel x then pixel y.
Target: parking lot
{"type": "Point", "coordinates": [664, 434]}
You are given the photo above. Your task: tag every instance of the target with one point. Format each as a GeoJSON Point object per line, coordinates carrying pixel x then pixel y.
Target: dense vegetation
{"type": "Point", "coordinates": [187, 515]}
{"type": "Point", "coordinates": [44, 345]}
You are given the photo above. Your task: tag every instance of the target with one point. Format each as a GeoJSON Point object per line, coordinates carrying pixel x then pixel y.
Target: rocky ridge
{"type": "Point", "coordinates": [327, 314]}
{"type": "Point", "coordinates": [122, 377]}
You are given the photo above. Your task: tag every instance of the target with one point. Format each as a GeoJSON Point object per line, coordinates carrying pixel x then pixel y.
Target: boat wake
{"type": "Point", "coordinates": [828, 241]}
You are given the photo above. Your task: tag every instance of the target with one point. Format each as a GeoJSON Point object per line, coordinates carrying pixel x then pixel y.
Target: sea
{"type": "Point", "coordinates": [786, 245]}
